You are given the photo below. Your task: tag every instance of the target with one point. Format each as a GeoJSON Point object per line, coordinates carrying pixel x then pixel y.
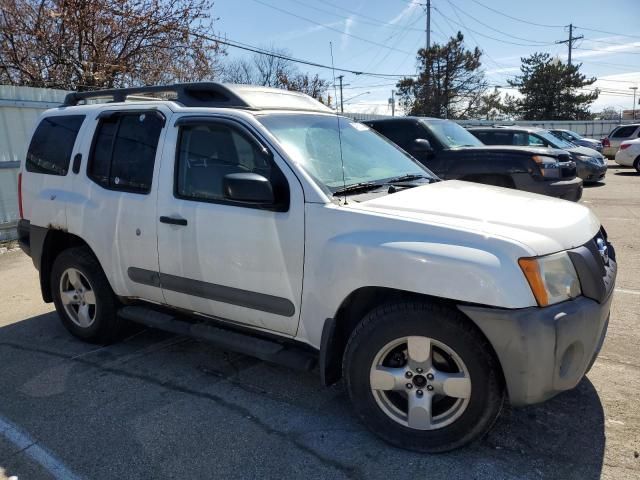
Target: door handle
{"type": "Point", "coordinates": [76, 163]}
{"type": "Point", "coordinates": [174, 220]}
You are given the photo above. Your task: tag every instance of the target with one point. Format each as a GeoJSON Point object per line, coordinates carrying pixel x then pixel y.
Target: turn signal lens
{"type": "Point", "coordinates": [552, 278]}
{"type": "Point", "coordinates": [531, 271]}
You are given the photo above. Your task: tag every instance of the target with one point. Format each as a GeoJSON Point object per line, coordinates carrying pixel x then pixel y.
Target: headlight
{"type": "Point", "coordinates": [552, 278]}
{"type": "Point", "coordinates": [549, 166]}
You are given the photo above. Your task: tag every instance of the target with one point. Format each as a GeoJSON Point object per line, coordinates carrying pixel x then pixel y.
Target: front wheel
{"type": "Point", "coordinates": [422, 377]}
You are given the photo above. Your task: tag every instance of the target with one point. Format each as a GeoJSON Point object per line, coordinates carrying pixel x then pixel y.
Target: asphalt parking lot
{"type": "Point", "coordinates": [161, 406]}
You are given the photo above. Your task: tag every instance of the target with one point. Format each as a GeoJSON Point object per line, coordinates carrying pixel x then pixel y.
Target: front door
{"type": "Point", "coordinates": [224, 258]}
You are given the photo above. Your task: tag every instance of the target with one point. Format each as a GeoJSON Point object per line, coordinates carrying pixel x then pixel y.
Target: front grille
{"type": "Point", "coordinates": [595, 264]}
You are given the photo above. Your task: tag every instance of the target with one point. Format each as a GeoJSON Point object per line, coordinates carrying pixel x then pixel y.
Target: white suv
{"type": "Point", "coordinates": [260, 221]}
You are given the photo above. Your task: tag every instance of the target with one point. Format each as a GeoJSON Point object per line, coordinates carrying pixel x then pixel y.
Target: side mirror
{"type": "Point", "coordinates": [420, 145]}
{"type": "Point", "coordinates": [248, 187]}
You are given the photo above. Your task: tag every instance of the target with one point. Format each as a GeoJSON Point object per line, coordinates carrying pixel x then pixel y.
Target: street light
{"type": "Point", "coordinates": [356, 96]}
{"type": "Point", "coordinates": [633, 110]}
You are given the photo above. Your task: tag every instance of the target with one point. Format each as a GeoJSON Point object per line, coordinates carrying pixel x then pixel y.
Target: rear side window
{"type": "Point", "coordinates": [52, 144]}
{"type": "Point", "coordinates": [124, 151]}
{"type": "Point", "coordinates": [494, 138]}
{"type": "Point", "coordinates": [623, 132]}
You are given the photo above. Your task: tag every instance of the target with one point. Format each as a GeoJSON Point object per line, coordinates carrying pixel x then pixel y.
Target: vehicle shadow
{"type": "Point", "coordinates": [632, 173]}
{"type": "Point", "coordinates": [157, 405]}
{"type": "Point", "coordinates": [594, 184]}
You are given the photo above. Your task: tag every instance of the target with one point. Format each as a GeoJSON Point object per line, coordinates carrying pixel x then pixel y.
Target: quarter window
{"type": "Point", "coordinates": [52, 144]}
{"type": "Point", "coordinates": [124, 151]}
{"type": "Point", "coordinates": [207, 153]}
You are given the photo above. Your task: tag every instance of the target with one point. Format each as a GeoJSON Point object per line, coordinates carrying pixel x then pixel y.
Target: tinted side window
{"type": "Point", "coordinates": [536, 141]}
{"type": "Point", "coordinates": [124, 151]}
{"type": "Point", "coordinates": [206, 153]}
{"type": "Point", "coordinates": [494, 138]}
{"type": "Point", "coordinates": [52, 143]}
{"type": "Point", "coordinates": [623, 132]}
{"type": "Point", "coordinates": [398, 132]}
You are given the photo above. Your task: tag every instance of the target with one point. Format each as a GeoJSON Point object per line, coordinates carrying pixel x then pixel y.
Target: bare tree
{"type": "Point", "coordinates": [273, 71]}
{"type": "Point", "coordinates": [80, 45]}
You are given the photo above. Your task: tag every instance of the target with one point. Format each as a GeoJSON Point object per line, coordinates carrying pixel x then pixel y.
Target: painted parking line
{"type": "Point", "coordinates": [38, 454]}
{"type": "Point", "coordinates": [630, 292]}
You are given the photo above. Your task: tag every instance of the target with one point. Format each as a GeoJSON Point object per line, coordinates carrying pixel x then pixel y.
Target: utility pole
{"type": "Point", "coordinates": [341, 105]}
{"type": "Point", "coordinates": [570, 41]}
{"type": "Point", "coordinates": [392, 102]}
{"type": "Point", "coordinates": [428, 7]}
{"type": "Point", "coordinates": [633, 112]}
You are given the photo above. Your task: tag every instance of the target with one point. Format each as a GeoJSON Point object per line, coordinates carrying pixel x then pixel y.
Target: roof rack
{"type": "Point", "coordinates": [200, 94]}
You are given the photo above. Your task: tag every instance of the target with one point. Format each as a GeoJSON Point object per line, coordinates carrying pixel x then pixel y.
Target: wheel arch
{"type": "Point", "coordinates": [53, 242]}
{"type": "Point", "coordinates": [336, 330]}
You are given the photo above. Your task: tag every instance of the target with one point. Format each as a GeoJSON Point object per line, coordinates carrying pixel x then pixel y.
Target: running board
{"type": "Point", "coordinates": [225, 339]}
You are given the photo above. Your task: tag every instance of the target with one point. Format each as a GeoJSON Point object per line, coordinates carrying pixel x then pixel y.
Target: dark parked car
{"type": "Point", "coordinates": [451, 152]}
{"type": "Point", "coordinates": [592, 166]}
{"type": "Point", "coordinates": [577, 139]}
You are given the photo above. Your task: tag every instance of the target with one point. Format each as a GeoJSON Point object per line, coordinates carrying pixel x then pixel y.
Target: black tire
{"type": "Point", "coordinates": [448, 326]}
{"type": "Point", "coordinates": [636, 164]}
{"type": "Point", "coordinates": [106, 325]}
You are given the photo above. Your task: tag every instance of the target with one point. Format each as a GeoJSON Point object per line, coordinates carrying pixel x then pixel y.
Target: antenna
{"type": "Point", "coordinates": [333, 70]}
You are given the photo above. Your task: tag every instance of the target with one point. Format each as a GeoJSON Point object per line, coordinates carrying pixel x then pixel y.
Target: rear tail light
{"type": "Point", "coordinates": [605, 142]}
{"type": "Point", "coordinates": [20, 196]}
{"type": "Point", "coordinates": [624, 145]}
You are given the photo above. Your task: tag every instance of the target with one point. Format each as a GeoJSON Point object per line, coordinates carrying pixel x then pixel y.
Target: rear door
{"type": "Point", "coordinates": [114, 209]}
{"type": "Point", "coordinates": [231, 260]}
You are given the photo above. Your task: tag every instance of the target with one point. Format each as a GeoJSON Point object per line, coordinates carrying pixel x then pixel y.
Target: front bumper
{"type": "Point", "coordinates": [590, 172]}
{"type": "Point", "coordinates": [564, 189]}
{"type": "Point", "coordinates": [544, 351]}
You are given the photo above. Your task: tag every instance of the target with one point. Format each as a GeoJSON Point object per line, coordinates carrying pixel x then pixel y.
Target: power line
{"type": "Point", "coordinates": [342, 32]}
{"type": "Point", "coordinates": [377, 23]}
{"type": "Point", "coordinates": [608, 33]}
{"type": "Point", "coordinates": [254, 49]}
{"type": "Point", "coordinates": [516, 18]}
{"type": "Point", "coordinates": [487, 36]}
{"type": "Point", "coordinates": [619, 52]}
{"type": "Point", "coordinates": [456, 9]}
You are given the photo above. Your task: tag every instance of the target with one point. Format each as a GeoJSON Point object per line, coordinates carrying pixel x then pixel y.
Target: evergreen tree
{"type": "Point", "coordinates": [450, 83]}
{"type": "Point", "coordinates": [552, 90]}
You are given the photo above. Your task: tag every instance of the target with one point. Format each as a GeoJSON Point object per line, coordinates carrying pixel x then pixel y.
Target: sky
{"type": "Point", "coordinates": [383, 36]}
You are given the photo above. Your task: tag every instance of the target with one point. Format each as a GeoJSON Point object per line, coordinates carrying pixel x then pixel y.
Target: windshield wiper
{"type": "Point", "coordinates": [407, 178]}
{"type": "Point", "coordinates": [356, 187]}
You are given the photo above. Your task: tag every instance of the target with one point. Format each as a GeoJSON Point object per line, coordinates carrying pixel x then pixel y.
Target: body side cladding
{"type": "Point", "coordinates": [211, 291]}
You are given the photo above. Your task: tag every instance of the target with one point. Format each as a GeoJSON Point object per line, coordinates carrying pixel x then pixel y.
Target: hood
{"type": "Point", "coordinates": [589, 152]}
{"type": "Point", "coordinates": [541, 223]}
{"type": "Point", "coordinates": [590, 141]}
{"type": "Point", "coordinates": [515, 148]}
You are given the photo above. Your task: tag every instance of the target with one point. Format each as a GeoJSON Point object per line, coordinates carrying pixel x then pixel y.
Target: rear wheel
{"type": "Point", "coordinates": [422, 378]}
{"type": "Point", "coordinates": [636, 164]}
{"type": "Point", "coordinates": [83, 297]}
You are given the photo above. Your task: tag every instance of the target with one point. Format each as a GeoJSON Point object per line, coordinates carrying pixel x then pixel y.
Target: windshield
{"type": "Point", "coordinates": [554, 141]}
{"type": "Point", "coordinates": [573, 135]}
{"type": "Point", "coordinates": [312, 142]}
{"type": "Point", "coordinates": [452, 135]}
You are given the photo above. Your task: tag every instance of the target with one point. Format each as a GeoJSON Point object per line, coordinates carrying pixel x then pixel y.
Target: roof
{"type": "Point", "coordinates": [206, 94]}
{"type": "Point", "coordinates": [405, 118]}
{"type": "Point", "coordinates": [508, 127]}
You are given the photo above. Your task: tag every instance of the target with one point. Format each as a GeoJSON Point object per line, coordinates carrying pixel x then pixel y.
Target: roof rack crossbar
{"type": "Point", "coordinates": [200, 94]}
